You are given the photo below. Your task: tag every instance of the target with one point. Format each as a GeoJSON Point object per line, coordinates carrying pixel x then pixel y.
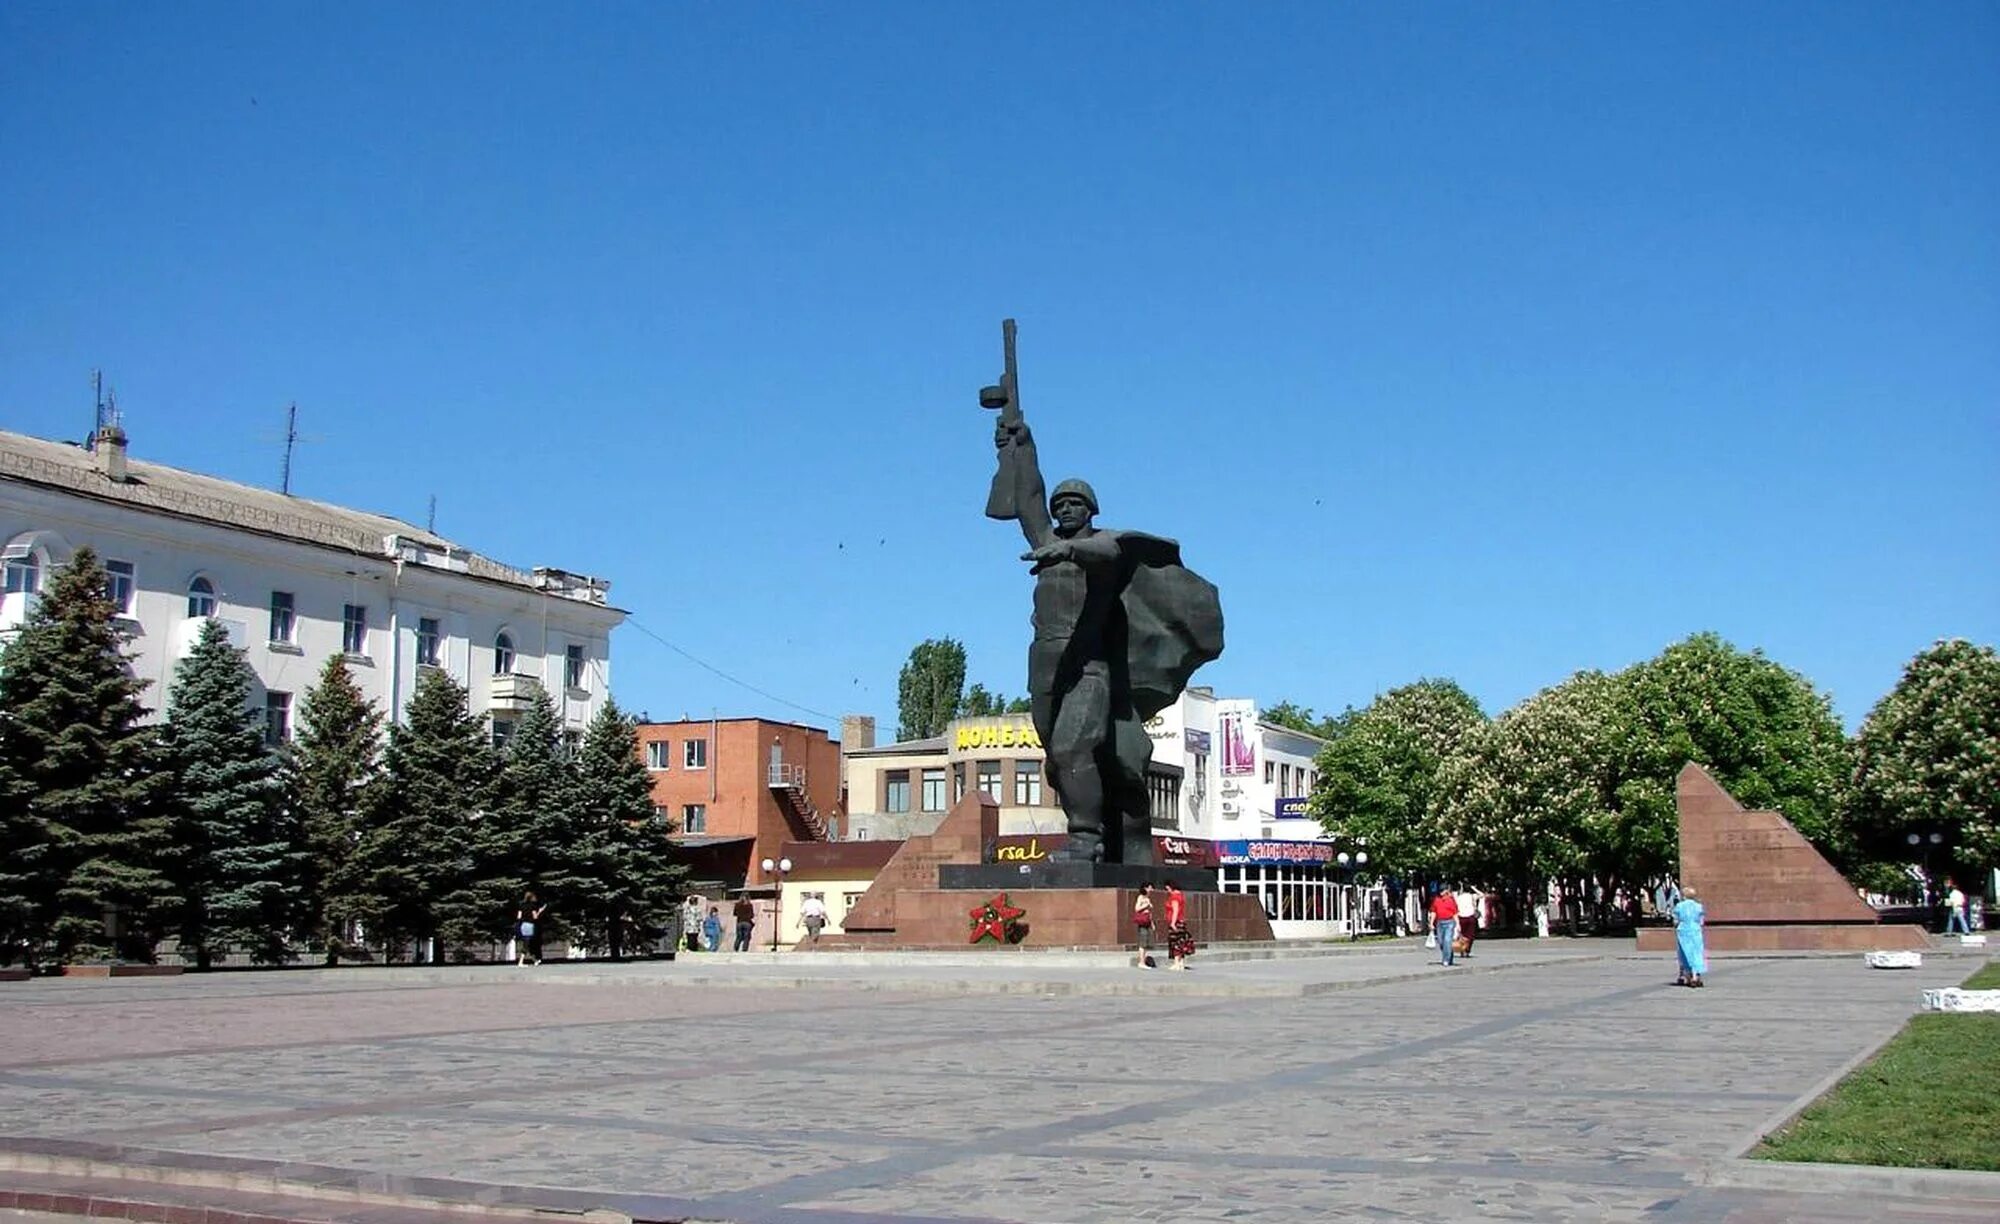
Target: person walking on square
{"type": "Point", "coordinates": [1142, 922]}
{"type": "Point", "coordinates": [528, 929]}
{"type": "Point", "coordinates": [746, 922]}
{"type": "Point", "coordinates": [1690, 941]}
{"type": "Point", "coordinates": [711, 930]}
{"type": "Point", "coordinates": [1954, 904]}
{"type": "Point", "coordinates": [691, 922]}
{"type": "Point", "coordinates": [1444, 922]}
{"type": "Point", "coordinates": [812, 912]}
{"type": "Point", "coordinates": [1180, 942]}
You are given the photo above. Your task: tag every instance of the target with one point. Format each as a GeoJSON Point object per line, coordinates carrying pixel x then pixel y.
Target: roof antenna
{"type": "Point", "coordinates": [97, 420]}
{"type": "Point", "coordinates": [291, 440]}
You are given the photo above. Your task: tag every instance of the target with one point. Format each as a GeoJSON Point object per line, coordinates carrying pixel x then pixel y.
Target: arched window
{"type": "Point", "coordinates": [24, 574]}
{"type": "Point", "coordinates": [503, 655]}
{"type": "Point", "coordinates": [201, 598]}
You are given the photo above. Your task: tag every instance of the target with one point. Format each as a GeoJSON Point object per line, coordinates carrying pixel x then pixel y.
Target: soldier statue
{"type": "Point", "coordinates": [1120, 626]}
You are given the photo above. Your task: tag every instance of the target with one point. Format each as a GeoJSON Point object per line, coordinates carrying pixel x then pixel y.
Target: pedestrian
{"type": "Point", "coordinates": [528, 930]}
{"type": "Point", "coordinates": [1180, 942]}
{"type": "Point", "coordinates": [711, 929]}
{"type": "Point", "coordinates": [691, 922]}
{"type": "Point", "coordinates": [1142, 922]}
{"type": "Point", "coordinates": [812, 912]}
{"type": "Point", "coordinates": [1469, 924]}
{"type": "Point", "coordinates": [1444, 923]}
{"type": "Point", "coordinates": [746, 922]}
{"type": "Point", "coordinates": [1954, 904]}
{"type": "Point", "coordinates": [1689, 941]}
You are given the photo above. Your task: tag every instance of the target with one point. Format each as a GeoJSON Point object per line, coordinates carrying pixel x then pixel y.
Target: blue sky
{"type": "Point", "coordinates": [1490, 342]}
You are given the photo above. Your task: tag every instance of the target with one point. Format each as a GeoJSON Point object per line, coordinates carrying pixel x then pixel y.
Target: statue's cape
{"type": "Point", "coordinates": [1173, 622]}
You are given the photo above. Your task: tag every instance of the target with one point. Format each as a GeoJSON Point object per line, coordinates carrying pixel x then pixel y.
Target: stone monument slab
{"type": "Point", "coordinates": [1763, 884]}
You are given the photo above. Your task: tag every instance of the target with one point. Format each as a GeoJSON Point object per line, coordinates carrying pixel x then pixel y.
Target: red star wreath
{"type": "Point", "coordinates": [995, 920]}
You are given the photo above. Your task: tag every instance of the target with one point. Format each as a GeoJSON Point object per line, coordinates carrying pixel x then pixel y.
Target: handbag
{"type": "Point", "coordinates": [527, 930]}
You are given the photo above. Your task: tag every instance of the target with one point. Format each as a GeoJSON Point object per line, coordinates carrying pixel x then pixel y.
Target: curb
{"type": "Point", "coordinates": [1959, 1185]}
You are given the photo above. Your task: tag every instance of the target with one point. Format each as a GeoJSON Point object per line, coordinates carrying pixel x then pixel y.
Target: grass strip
{"type": "Point", "coordinates": [1926, 1101]}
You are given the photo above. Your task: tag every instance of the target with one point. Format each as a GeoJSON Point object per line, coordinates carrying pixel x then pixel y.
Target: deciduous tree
{"type": "Point", "coordinates": [929, 687]}
{"type": "Point", "coordinates": [1928, 759]}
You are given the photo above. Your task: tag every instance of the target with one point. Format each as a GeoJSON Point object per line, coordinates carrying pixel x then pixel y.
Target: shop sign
{"type": "Point", "coordinates": [997, 735]}
{"type": "Point", "coordinates": [1292, 809]}
{"type": "Point", "coordinates": [1197, 741]}
{"type": "Point", "coordinates": [1031, 849]}
{"type": "Point", "coordinates": [1157, 728]}
{"type": "Point", "coordinates": [1275, 853]}
{"type": "Point", "coordinates": [1184, 852]}
{"type": "Point", "coordinates": [1039, 847]}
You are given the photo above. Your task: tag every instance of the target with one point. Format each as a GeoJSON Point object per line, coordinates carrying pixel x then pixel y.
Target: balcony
{"type": "Point", "coordinates": [512, 693]}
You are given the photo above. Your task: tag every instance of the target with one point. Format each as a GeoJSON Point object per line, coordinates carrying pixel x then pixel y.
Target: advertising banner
{"type": "Point", "coordinates": [1239, 755]}
{"type": "Point", "coordinates": [1292, 809]}
{"type": "Point", "coordinates": [1197, 742]}
{"type": "Point", "coordinates": [1167, 851]}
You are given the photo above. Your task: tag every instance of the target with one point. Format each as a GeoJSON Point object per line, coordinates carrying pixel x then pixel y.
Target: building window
{"type": "Point", "coordinates": [657, 754]}
{"type": "Point", "coordinates": [119, 586]}
{"type": "Point", "coordinates": [1163, 793]}
{"type": "Point", "coordinates": [503, 655]}
{"type": "Point", "coordinates": [1027, 784]}
{"type": "Point", "coordinates": [989, 778]}
{"type": "Point", "coordinates": [24, 574]}
{"type": "Point", "coordinates": [694, 818]}
{"type": "Point", "coordinates": [1270, 771]}
{"type": "Point", "coordinates": [897, 798]}
{"type": "Point", "coordinates": [284, 617]}
{"type": "Point", "coordinates": [427, 641]}
{"type": "Point", "coordinates": [503, 730]}
{"type": "Point", "coordinates": [573, 667]}
{"type": "Point", "coordinates": [934, 790]}
{"type": "Point", "coordinates": [694, 754]}
{"type": "Point", "coordinates": [201, 598]}
{"type": "Point", "coordinates": [354, 628]}
{"type": "Point", "coordinates": [277, 719]}
{"type": "Point", "coordinates": [957, 781]}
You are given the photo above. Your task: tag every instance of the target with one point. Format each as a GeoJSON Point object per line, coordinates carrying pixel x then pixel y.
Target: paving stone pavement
{"type": "Point", "coordinates": [1544, 1081]}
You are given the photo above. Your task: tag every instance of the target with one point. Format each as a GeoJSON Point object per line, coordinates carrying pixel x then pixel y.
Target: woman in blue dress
{"type": "Point", "coordinates": [1689, 940]}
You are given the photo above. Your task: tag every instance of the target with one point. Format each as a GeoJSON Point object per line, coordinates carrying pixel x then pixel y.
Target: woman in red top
{"type": "Point", "coordinates": [1180, 944]}
{"type": "Point", "coordinates": [1444, 921]}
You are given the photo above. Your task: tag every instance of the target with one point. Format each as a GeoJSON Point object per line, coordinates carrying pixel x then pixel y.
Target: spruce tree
{"type": "Point", "coordinates": [416, 876]}
{"type": "Point", "coordinates": [532, 838]}
{"type": "Point", "coordinates": [331, 775]}
{"type": "Point", "coordinates": [636, 881]}
{"type": "Point", "coordinates": [241, 861]}
{"type": "Point", "coordinates": [81, 788]}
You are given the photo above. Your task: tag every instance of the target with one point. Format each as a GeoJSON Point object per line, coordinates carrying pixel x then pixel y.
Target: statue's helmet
{"type": "Point", "coordinates": [1075, 488]}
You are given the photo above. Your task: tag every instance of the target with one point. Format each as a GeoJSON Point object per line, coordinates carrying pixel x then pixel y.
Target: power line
{"type": "Point", "coordinates": [703, 663]}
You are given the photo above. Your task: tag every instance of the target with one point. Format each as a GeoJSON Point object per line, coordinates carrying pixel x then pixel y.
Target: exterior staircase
{"type": "Point", "coordinates": [788, 783]}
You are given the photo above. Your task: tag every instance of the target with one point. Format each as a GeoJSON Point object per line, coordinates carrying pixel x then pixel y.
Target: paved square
{"type": "Point", "coordinates": [1552, 1081]}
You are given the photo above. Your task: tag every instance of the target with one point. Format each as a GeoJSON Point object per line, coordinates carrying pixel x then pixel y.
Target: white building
{"type": "Point", "coordinates": [296, 581]}
{"type": "Point", "coordinates": [1244, 786]}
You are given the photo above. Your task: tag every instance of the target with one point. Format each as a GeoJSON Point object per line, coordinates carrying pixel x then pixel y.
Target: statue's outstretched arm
{"type": "Point", "coordinates": [1021, 472]}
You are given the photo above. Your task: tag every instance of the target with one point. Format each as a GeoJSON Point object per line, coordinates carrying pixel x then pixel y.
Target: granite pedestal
{"type": "Point", "coordinates": [1062, 873]}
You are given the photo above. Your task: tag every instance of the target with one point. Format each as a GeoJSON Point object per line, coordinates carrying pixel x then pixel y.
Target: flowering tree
{"type": "Point", "coordinates": [1378, 779]}
{"type": "Point", "coordinates": [1928, 758]}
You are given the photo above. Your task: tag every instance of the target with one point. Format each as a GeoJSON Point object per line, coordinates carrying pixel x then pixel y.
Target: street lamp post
{"type": "Point", "coordinates": [1925, 845]}
{"type": "Point", "coordinates": [1350, 866]}
{"type": "Point", "coordinates": [782, 867]}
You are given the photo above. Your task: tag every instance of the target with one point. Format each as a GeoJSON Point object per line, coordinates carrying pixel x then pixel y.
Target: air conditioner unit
{"type": "Point", "coordinates": [1228, 808]}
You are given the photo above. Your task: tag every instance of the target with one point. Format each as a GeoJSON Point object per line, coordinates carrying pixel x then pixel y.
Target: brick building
{"type": "Point", "coordinates": [738, 789]}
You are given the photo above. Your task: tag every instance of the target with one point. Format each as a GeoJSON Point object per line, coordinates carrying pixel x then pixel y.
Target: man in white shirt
{"type": "Point", "coordinates": [1954, 903]}
{"type": "Point", "coordinates": [813, 913]}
